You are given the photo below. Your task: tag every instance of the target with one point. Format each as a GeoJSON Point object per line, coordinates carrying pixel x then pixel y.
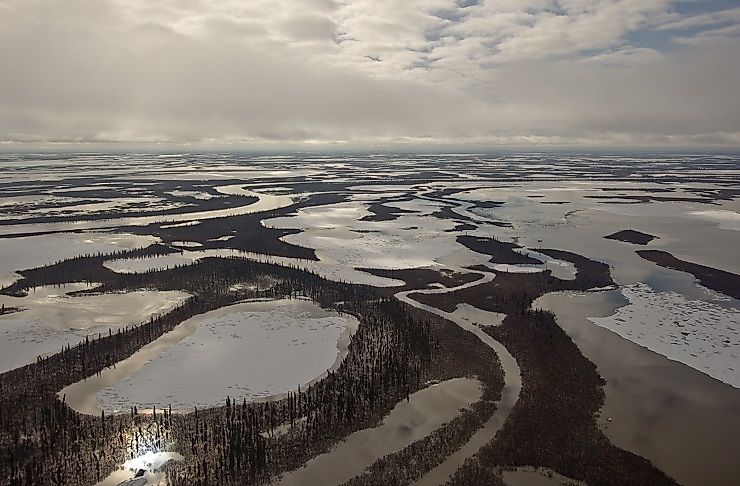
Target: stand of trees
{"type": "Point", "coordinates": [44, 441]}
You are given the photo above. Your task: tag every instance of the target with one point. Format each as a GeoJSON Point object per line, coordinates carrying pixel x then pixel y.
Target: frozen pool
{"type": "Point", "coordinates": [52, 319]}
{"type": "Point", "coordinates": [36, 251]}
{"type": "Point", "coordinates": [250, 350]}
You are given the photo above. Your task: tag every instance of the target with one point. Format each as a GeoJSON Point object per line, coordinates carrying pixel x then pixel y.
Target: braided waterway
{"type": "Point", "coordinates": [509, 395]}
{"type": "Point", "coordinates": [409, 421]}
{"type": "Point", "coordinates": [426, 411]}
{"type": "Point", "coordinates": [265, 202]}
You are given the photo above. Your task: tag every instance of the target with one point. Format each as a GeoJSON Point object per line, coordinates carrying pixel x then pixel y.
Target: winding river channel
{"type": "Point", "coordinates": [509, 395]}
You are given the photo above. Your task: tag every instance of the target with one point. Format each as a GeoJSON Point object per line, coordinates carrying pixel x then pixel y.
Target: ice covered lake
{"type": "Point", "coordinates": [36, 251]}
{"type": "Point", "coordinates": [252, 350]}
{"type": "Point", "coordinates": [50, 318]}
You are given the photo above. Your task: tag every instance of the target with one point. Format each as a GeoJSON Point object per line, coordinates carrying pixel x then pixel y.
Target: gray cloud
{"type": "Point", "coordinates": [367, 72]}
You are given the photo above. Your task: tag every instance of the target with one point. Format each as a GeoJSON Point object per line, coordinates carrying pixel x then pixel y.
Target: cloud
{"type": "Point", "coordinates": [713, 36]}
{"type": "Point", "coordinates": [728, 16]}
{"type": "Point", "coordinates": [367, 72]}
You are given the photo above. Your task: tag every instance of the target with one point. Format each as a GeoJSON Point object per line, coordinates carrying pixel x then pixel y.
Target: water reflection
{"type": "Point", "coordinates": [409, 421]}
{"type": "Point", "coordinates": [684, 421]}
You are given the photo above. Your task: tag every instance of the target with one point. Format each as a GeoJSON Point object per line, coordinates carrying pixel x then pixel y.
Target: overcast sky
{"type": "Point", "coordinates": [355, 73]}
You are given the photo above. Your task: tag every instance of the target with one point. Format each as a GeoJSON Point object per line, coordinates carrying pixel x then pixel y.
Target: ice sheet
{"type": "Point", "coordinates": [701, 334]}
{"type": "Point", "coordinates": [246, 351]}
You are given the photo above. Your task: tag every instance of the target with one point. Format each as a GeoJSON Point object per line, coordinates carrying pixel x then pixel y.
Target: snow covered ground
{"type": "Point", "coordinates": [702, 334]}
{"type": "Point", "coordinates": [342, 239]}
{"type": "Point", "coordinates": [729, 220]}
{"type": "Point", "coordinates": [265, 202]}
{"type": "Point", "coordinates": [476, 316]}
{"type": "Point", "coordinates": [140, 265]}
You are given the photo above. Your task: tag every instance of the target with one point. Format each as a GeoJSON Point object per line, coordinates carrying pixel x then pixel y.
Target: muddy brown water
{"type": "Point", "coordinates": [684, 421]}
{"type": "Point", "coordinates": [509, 395]}
{"type": "Point", "coordinates": [409, 421]}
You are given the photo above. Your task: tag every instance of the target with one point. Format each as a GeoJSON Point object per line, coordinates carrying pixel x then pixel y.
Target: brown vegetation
{"type": "Point", "coordinates": [631, 236]}
{"type": "Point", "coordinates": [553, 424]}
{"type": "Point", "coordinates": [726, 282]}
{"type": "Point", "coordinates": [393, 353]}
{"type": "Point", "coordinates": [499, 251]}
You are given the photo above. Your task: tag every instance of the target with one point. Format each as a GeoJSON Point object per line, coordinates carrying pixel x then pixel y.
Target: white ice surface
{"type": "Point", "coordinates": [510, 268]}
{"type": "Point", "coordinates": [187, 244]}
{"type": "Point", "coordinates": [52, 319]}
{"type": "Point", "coordinates": [35, 251]}
{"type": "Point", "coordinates": [340, 238]}
{"type": "Point", "coordinates": [701, 334]}
{"type": "Point", "coordinates": [196, 194]}
{"type": "Point", "coordinates": [476, 316]}
{"type": "Point", "coordinates": [140, 265]}
{"type": "Point", "coordinates": [265, 202]}
{"type": "Point", "coordinates": [327, 270]}
{"type": "Point", "coordinates": [250, 350]}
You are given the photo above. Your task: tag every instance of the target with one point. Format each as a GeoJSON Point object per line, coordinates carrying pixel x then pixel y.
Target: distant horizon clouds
{"type": "Point", "coordinates": [290, 74]}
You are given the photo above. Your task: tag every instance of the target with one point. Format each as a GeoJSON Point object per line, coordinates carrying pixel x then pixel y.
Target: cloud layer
{"type": "Point", "coordinates": [294, 73]}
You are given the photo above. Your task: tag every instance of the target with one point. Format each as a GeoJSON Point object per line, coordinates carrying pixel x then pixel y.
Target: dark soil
{"type": "Point", "coordinates": [631, 236]}
{"type": "Point", "coordinates": [499, 251]}
{"type": "Point", "coordinates": [421, 278]}
{"type": "Point", "coordinates": [381, 212]}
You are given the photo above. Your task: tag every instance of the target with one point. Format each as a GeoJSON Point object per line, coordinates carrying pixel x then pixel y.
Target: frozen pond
{"type": "Point", "coordinates": [36, 251]}
{"type": "Point", "coordinates": [141, 265]}
{"type": "Point", "coordinates": [409, 421]}
{"type": "Point", "coordinates": [724, 218]}
{"type": "Point", "coordinates": [473, 315]}
{"type": "Point", "coordinates": [52, 319]}
{"type": "Point", "coordinates": [339, 235]}
{"type": "Point", "coordinates": [579, 225]}
{"type": "Point", "coordinates": [252, 350]}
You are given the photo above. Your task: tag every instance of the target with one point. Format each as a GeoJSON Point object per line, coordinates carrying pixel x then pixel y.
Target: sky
{"type": "Point", "coordinates": [272, 74]}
